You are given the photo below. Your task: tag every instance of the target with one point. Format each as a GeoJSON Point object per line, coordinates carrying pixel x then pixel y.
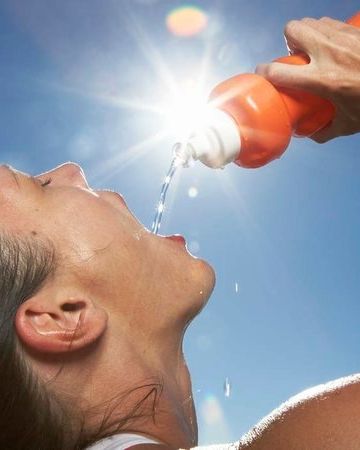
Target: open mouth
{"type": "Point", "coordinates": [177, 238]}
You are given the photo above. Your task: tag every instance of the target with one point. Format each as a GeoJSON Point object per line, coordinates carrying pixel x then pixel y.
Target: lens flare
{"type": "Point", "coordinates": [192, 192]}
{"type": "Point", "coordinates": [186, 21]}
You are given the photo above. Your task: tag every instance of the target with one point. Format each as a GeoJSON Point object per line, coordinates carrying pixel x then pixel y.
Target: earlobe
{"type": "Point", "coordinates": [69, 326]}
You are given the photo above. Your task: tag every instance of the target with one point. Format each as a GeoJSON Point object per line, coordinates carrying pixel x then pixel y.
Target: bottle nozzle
{"type": "Point", "coordinates": [183, 153]}
{"type": "Point", "coordinates": [215, 144]}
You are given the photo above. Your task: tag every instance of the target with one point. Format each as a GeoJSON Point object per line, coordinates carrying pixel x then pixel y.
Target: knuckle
{"type": "Point", "coordinates": [263, 70]}
{"type": "Point", "coordinates": [337, 85]}
{"type": "Point", "coordinates": [331, 79]}
{"type": "Point", "coordinates": [329, 82]}
{"type": "Point", "coordinates": [308, 20]}
{"type": "Point", "coordinates": [291, 27]}
{"type": "Point", "coordinates": [271, 71]}
{"type": "Point", "coordinates": [259, 69]}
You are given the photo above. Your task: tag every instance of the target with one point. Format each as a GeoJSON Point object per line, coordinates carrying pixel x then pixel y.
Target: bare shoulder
{"type": "Point", "coordinates": [325, 417]}
{"type": "Point", "coordinates": [234, 446]}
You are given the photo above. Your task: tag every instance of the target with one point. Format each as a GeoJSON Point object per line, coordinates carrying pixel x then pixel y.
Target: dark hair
{"type": "Point", "coordinates": [32, 416]}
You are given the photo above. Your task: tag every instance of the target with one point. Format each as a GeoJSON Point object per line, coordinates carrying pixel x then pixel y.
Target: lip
{"type": "Point", "coordinates": [177, 238]}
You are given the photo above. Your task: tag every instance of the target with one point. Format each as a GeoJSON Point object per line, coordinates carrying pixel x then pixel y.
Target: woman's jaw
{"type": "Point", "coordinates": [176, 283]}
{"type": "Point", "coordinates": [132, 272]}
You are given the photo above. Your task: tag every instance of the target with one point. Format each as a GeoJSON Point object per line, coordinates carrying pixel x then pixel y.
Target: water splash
{"type": "Point", "coordinates": [227, 387]}
{"type": "Point", "coordinates": [175, 163]}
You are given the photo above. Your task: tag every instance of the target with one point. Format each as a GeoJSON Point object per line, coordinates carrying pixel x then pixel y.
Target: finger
{"type": "Point", "coordinates": [291, 45]}
{"type": "Point", "coordinates": [335, 29]}
{"type": "Point", "coordinates": [300, 36]}
{"type": "Point", "coordinates": [334, 129]}
{"type": "Point", "coordinates": [324, 135]}
{"type": "Point", "coordinates": [325, 25]}
{"type": "Point", "coordinates": [332, 23]}
{"type": "Point", "coordinates": [287, 75]}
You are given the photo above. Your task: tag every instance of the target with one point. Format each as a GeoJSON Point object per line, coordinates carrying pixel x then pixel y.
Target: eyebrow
{"type": "Point", "coordinates": [16, 177]}
{"type": "Point", "coordinates": [13, 174]}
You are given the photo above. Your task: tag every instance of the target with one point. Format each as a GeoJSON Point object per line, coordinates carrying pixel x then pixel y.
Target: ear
{"type": "Point", "coordinates": [58, 327]}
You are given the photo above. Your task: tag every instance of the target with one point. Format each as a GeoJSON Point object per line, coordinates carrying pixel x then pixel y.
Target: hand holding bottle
{"type": "Point", "coordinates": [332, 73]}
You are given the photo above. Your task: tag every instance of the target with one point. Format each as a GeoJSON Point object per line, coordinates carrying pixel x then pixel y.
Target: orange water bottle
{"type": "Point", "coordinates": [253, 121]}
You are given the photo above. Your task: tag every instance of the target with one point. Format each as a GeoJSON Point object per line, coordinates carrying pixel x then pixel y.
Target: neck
{"type": "Point", "coordinates": [176, 410]}
{"type": "Point", "coordinates": [155, 389]}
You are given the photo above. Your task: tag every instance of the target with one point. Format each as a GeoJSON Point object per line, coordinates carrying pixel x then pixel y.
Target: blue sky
{"type": "Point", "coordinates": [80, 81]}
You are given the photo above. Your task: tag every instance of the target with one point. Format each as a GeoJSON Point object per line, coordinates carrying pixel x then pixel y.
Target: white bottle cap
{"type": "Point", "coordinates": [215, 144]}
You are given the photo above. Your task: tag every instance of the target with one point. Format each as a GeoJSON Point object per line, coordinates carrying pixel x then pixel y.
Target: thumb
{"type": "Point", "coordinates": [289, 76]}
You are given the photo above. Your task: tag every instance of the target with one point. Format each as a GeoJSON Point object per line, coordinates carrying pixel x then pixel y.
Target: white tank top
{"type": "Point", "coordinates": [122, 441]}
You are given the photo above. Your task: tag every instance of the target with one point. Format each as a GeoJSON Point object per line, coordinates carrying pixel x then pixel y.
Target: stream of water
{"type": "Point", "coordinates": [175, 163]}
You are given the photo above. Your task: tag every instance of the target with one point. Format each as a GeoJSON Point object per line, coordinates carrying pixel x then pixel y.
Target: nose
{"type": "Point", "coordinates": [69, 173]}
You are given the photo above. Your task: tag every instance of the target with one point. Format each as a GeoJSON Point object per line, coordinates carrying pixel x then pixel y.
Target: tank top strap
{"type": "Point", "coordinates": [122, 441]}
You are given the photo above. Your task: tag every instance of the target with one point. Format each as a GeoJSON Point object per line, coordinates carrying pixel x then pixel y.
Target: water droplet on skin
{"type": "Point", "coordinates": [201, 292]}
{"type": "Point", "coordinates": [138, 234]}
{"type": "Point", "coordinates": [227, 387]}
{"type": "Point", "coordinates": [188, 400]}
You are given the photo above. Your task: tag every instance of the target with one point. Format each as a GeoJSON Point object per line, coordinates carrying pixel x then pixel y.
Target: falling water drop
{"type": "Point", "coordinates": [236, 287]}
{"type": "Point", "coordinates": [227, 387]}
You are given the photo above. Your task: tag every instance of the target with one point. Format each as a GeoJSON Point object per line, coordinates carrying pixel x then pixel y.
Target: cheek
{"type": "Point", "coordinates": [18, 214]}
{"type": "Point", "coordinates": [86, 227]}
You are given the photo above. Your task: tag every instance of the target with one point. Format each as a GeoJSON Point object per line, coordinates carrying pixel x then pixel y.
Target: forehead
{"type": "Point", "coordinates": [14, 204]}
{"type": "Point", "coordinates": [8, 176]}
{"type": "Point", "coordinates": [9, 189]}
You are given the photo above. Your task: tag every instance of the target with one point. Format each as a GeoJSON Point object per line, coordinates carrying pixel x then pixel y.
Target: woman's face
{"type": "Point", "coordinates": [151, 280]}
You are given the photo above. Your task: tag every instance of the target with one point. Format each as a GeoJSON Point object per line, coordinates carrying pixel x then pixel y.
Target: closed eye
{"type": "Point", "coordinates": [45, 182]}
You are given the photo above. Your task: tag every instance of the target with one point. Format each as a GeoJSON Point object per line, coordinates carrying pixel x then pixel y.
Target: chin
{"type": "Point", "coordinates": [209, 277]}
{"type": "Point", "coordinates": [204, 283]}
